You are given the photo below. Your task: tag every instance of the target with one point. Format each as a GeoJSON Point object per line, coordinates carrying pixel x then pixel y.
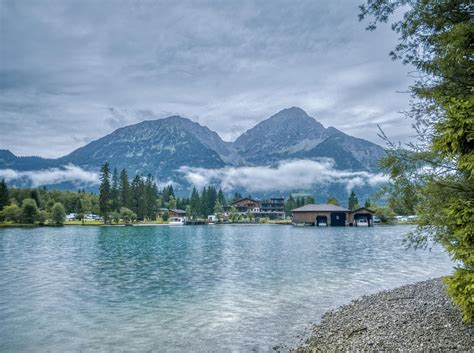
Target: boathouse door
{"type": "Point", "coordinates": [338, 219]}
{"type": "Point", "coordinates": [321, 221]}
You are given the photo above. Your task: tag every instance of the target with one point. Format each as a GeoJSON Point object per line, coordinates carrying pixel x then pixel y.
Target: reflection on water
{"type": "Point", "coordinates": [202, 288]}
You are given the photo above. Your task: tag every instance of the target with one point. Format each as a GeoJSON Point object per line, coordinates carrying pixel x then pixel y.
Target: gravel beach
{"type": "Point", "coordinates": [416, 317]}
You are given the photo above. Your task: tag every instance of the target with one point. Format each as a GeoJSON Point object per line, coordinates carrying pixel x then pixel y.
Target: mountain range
{"type": "Point", "coordinates": [161, 147]}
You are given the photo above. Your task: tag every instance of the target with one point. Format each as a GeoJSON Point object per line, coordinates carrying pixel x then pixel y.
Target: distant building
{"type": "Point", "coordinates": [177, 213]}
{"type": "Point", "coordinates": [273, 208]}
{"type": "Point", "coordinates": [332, 215]}
{"type": "Point", "coordinates": [71, 217]}
{"type": "Point", "coordinates": [247, 204]}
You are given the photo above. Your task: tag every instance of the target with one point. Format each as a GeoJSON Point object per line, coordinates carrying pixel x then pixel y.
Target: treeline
{"type": "Point", "coordinates": [37, 206]}
{"type": "Point", "coordinates": [142, 197]}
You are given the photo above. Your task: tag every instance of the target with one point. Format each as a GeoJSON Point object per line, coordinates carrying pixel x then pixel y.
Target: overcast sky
{"type": "Point", "coordinates": [73, 71]}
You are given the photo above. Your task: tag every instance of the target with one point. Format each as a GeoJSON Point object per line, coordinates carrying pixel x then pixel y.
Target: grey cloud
{"type": "Point", "coordinates": [227, 65]}
{"type": "Point", "coordinates": [304, 174]}
{"type": "Point", "coordinates": [36, 178]}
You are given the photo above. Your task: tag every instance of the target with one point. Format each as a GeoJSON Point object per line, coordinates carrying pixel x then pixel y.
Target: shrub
{"type": "Point", "coordinates": [29, 211]}
{"type": "Point", "coordinates": [58, 213]}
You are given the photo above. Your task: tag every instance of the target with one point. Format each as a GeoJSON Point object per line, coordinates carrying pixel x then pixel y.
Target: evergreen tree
{"type": "Point", "coordinates": [204, 205]}
{"type": "Point", "coordinates": [218, 210]}
{"type": "Point", "coordinates": [124, 190]}
{"type": "Point", "coordinates": [290, 205]}
{"type": "Point", "coordinates": [436, 37]}
{"type": "Point", "coordinates": [367, 203]}
{"type": "Point", "coordinates": [150, 197]}
{"type": "Point", "coordinates": [353, 202]}
{"type": "Point", "coordinates": [195, 204]}
{"type": "Point", "coordinates": [34, 194]}
{"type": "Point", "coordinates": [114, 192]}
{"type": "Point", "coordinates": [221, 197]}
{"type": "Point", "coordinates": [172, 203]}
{"type": "Point", "coordinates": [4, 194]}
{"type": "Point", "coordinates": [104, 192]}
{"type": "Point", "coordinates": [212, 199]}
{"type": "Point", "coordinates": [138, 203]}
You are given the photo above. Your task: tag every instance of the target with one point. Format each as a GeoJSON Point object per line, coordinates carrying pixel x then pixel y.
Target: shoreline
{"type": "Point", "coordinates": [413, 317]}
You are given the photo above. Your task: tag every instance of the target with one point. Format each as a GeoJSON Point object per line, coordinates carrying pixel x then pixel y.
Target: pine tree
{"type": "Point", "coordinates": [4, 194]}
{"type": "Point", "coordinates": [172, 203]}
{"type": "Point", "coordinates": [212, 199]}
{"type": "Point", "coordinates": [195, 204]}
{"type": "Point", "coordinates": [290, 205]}
{"type": "Point", "coordinates": [104, 192]}
{"type": "Point", "coordinates": [114, 193]}
{"type": "Point", "coordinates": [137, 191]}
{"type": "Point", "coordinates": [151, 196]}
{"type": "Point", "coordinates": [124, 190]}
{"type": "Point", "coordinates": [221, 197]}
{"type": "Point", "coordinates": [353, 201]}
{"type": "Point", "coordinates": [367, 203]}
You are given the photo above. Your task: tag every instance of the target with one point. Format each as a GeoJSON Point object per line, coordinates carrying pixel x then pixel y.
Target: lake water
{"type": "Point", "coordinates": [198, 288]}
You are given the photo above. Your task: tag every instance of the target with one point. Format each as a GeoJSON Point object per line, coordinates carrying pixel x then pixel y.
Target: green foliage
{"type": "Point", "coordinates": [4, 194]}
{"type": "Point", "coordinates": [332, 201]}
{"type": "Point", "coordinates": [385, 214]}
{"type": "Point", "coordinates": [29, 211]}
{"type": "Point", "coordinates": [12, 213]}
{"type": "Point", "coordinates": [219, 210]}
{"type": "Point", "coordinates": [353, 201]}
{"type": "Point", "coordinates": [290, 205]}
{"type": "Point", "coordinates": [58, 214]}
{"type": "Point", "coordinates": [172, 203]}
{"type": "Point", "coordinates": [115, 216]}
{"type": "Point", "coordinates": [124, 190]}
{"type": "Point", "coordinates": [114, 192]}
{"type": "Point", "coordinates": [435, 177]}
{"type": "Point", "coordinates": [367, 203]}
{"type": "Point", "coordinates": [42, 217]}
{"type": "Point", "coordinates": [234, 215]}
{"type": "Point", "coordinates": [127, 215]}
{"type": "Point", "coordinates": [461, 289]}
{"type": "Point", "coordinates": [104, 192]}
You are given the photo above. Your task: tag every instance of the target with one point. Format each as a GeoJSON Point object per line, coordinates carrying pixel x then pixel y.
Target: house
{"type": "Point", "coordinates": [162, 212]}
{"type": "Point", "coordinates": [332, 215]}
{"type": "Point", "coordinates": [177, 213]}
{"type": "Point", "coordinates": [247, 204]}
{"type": "Point", "coordinates": [273, 208]}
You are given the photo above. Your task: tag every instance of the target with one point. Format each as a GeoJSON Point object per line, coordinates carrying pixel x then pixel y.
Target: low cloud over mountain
{"type": "Point", "coordinates": [288, 151]}
{"type": "Point", "coordinates": [69, 173]}
{"type": "Point", "coordinates": [286, 176]}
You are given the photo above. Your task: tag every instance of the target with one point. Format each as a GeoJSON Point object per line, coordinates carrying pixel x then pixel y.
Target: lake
{"type": "Point", "coordinates": [199, 288]}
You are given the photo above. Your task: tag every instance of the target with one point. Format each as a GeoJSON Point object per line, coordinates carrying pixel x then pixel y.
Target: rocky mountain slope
{"type": "Point", "coordinates": [162, 146]}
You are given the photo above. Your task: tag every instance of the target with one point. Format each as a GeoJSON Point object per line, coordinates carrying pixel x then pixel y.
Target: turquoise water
{"type": "Point", "coordinates": [198, 288]}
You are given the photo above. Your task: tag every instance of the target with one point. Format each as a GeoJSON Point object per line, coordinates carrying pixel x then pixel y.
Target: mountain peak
{"type": "Point", "coordinates": [292, 111]}
{"type": "Point", "coordinates": [285, 132]}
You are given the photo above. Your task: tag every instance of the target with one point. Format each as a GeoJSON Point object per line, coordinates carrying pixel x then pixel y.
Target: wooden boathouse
{"type": "Point", "coordinates": [332, 215]}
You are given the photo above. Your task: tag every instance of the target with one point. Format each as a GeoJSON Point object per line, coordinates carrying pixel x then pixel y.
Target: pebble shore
{"type": "Point", "coordinates": [416, 317]}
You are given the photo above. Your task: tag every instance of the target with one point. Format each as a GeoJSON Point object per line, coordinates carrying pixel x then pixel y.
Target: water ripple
{"type": "Point", "coordinates": [190, 288]}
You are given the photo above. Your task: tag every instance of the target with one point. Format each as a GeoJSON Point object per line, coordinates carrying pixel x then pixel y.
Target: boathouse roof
{"type": "Point", "coordinates": [323, 207]}
{"type": "Point", "coordinates": [178, 211]}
